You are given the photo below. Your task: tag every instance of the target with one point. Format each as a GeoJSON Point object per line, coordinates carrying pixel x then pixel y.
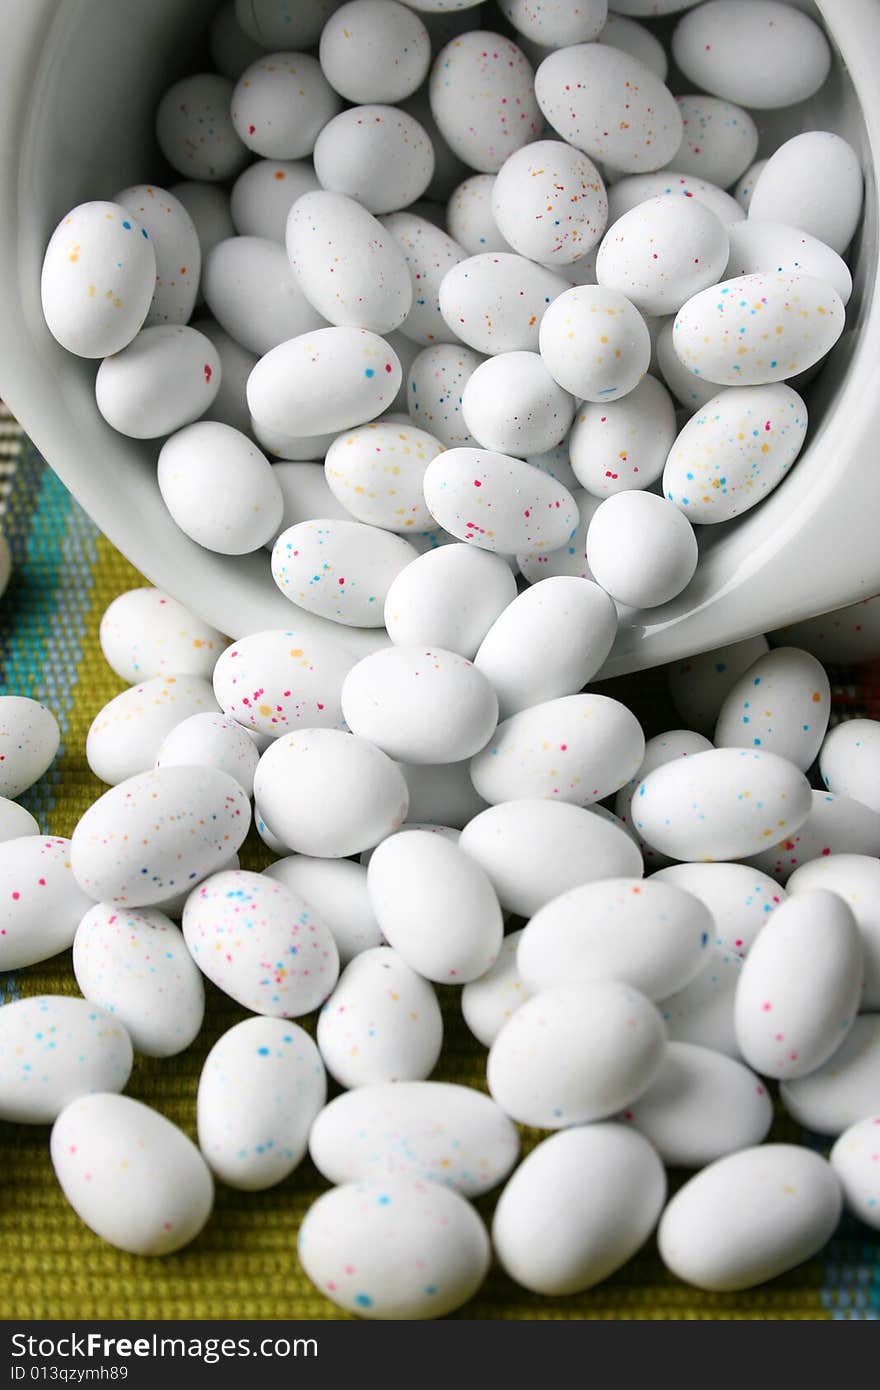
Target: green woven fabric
{"type": "Point", "coordinates": [244, 1265]}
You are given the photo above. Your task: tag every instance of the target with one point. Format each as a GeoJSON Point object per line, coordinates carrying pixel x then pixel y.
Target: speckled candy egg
{"type": "Point", "coordinates": [740, 899]}
{"type": "Point", "coordinates": [781, 704]}
{"type": "Point", "coordinates": [434, 388]}
{"type": "Point", "coordinates": [167, 377]}
{"type": "Point", "coordinates": [641, 549]}
{"type": "Point", "coordinates": [702, 1012]}
{"type": "Point", "coordinates": [854, 1160]}
{"type": "Point", "coordinates": [750, 1216]}
{"type": "Point", "coordinates": [483, 99]}
{"type": "Point", "coordinates": [145, 633]}
{"type": "Point", "coordinates": [734, 451]}
{"type": "Point", "coordinates": [125, 736]}
{"type": "Point", "coordinates": [131, 1175]}
{"type": "Point", "coordinates": [763, 54]}
{"type": "Point", "coordinates": [856, 879]}
{"type": "Point", "coordinates": [273, 22]}
{"type": "Point", "coordinates": [470, 219]}
{"type": "Point", "coordinates": [256, 940]}
{"type": "Point", "coordinates": [375, 50]}
{"type": "Point", "coordinates": [620, 444]}
{"type": "Point", "coordinates": [578, 749]}
{"type": "Point", "coordinates": [264, 193]}
{"type": "Point", "coordinates": [699, 684]}
{"type": "Point", "coordinates": [236, 364]}
{"type": "Point", "coordinates": [219, 488]}
{"type": "Point", "coordinates": [814, 181]}
{"type": "Point", "coordinates": [576, 1053]}
{"type": "Point", "coordinates": [701, 1106]}
{"type": "Point", "coordinates": [757, 246]}
{"type": "Point", "coordinates": [347, 265]}
{"type": "Point", "coordinates": [136, 967]}
{"type": "Point", "coordinates": [397, 1249]}
{"type": "Point", "coordinates": [262, 1085]}
{"type": "Point", "coordinates": [328, 793]}
{"type": "Point", "coordinates": [281, 103]}
{"type": "Point", "coordinates": [610, 105]}
{"type": "Point", "coordinates": [275, 680]}
{"type": "Point", "coordinates": [212, 740]}
{"type": "Point", "coordinates": [719, 140]}
{"type": "Point", "coordinates": [850, 760]}
{"type": "Point", "coordinates": [195, 131]}
{"type": "Point", "coordinates": [662, 253]}
{"type": "Point", "coordinates": [691, 392]}
{"type": "Point", "coordinates": [837, 824]}
{"type": "Point", "coordinates": [627, 193]}
{"type": "Point", "coordinates": [513, 405]}
{"type": "Point", "coordinates": [844, 1089]}
{"type": "Point", "coordinates": [595, 343]}
{"type": "Point", "coordinates": [549, 202]}
{"type": "Point", "coordinates": [330, 380]}
{"type": "Point", "coordinates": [340, 570]}
{"type": "Point", "coordinates": [494, 302]}
{"type": "Point", "coordinates": [15, 821]}
{"type": "Point", "coordinates": [746, 186]}
{"type": "Point", "coordinates": [29, 739]}
{"type": "Point", "coordinates": [53, 1048]}
{"type": "Point", "coordinates": [449, 598]}
{"type": "Point", "coordinates": [379, 155]}
{"type": "Point", "coordinates": [569, 560]}
{"type": "Point", "coordinates": [336, 890]}
{"type": "Point", "coordinates": [177, 248]}
{"type": "Point", "coordinates": [578, 1207]}
{"type": "Point", "coordinates": [725, 804]}
{"type": "Point", "coordinates": [40, 901]}
{"type": "Point", "coordinates": [498, 502]}
{"type": "Point", "coordinates": [846, 637]}
{"type": "Point", "coordinates": [98, 278]}
{"type": "Point", "coordinates": [251, 290]}
{"type": "Point", "coordinates": [756, 329]}
{"type": "Point", "coordinates": [377, 472]}
{"type": "Point", "coordinates": [156, 833]}
{"type": "Point", "coordinates": [550, 641]}
{"type": "Point", "coordinates": [662, 748]}
{"type": "Point", "coordinates": [420, 705]}
{"type": "Point", "coordinates": [429, 253]}
{"type": "Point", "coordinates": [381, 1023]}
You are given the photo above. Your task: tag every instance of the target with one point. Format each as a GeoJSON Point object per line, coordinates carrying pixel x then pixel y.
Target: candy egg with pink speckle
{"type": "Point", "coordinates": [627, 193]}
{"type": "Point", "coordinates": [280, 105]}
{"type": "Point", "coordinates": [620, 444]}
{"type": "Point", "coordinates": [739, 897]}
{"type": "Point", "coordinates": [719, 140]}
{"type": "Point", "coordinates": [340, 570]}
{"type": "Point", "coordinates": [498, 502]}
{"type": "Point", "coordinates": [131, 1175]}
{"type": "Point", "coordinates": [326, 381]}
{"type": "Point", "coordinates": [40, 900]}
{"type": "Point", "coordinates": [336, 890]}
{"type": "Point", "coordinates": [377, 472]}
{"type": "Point", "coordinates": [856, 879]}
{"type": "Point", "coordinates": [434, 388]}
{"type": "Point", "coordinates": [483, 98]}
{"type": "Point", "coordinates": [569, 560]}
{"type": "Point", "coordinates": [782, 704]}
{"type": "Point", "coordinates": [845, 1088]}
{"type": "Point", "coordinates": [470, 218]}
{"type": "Point", "coordinates": [277, 680]}
{"type": "Point", "coordinates": [662, 253]}
{"type": "Point", "coordinates": [178, 251]}
{"type": "Point", "coordinates": [379, 155]}
{"type": "Point", "coordinates": [429, 253]}
{"type": "Point", "coordinates": [494, 302]}
{"type": "Point", "coordinates": [375, 51]}
{"type": "Point", "coordinates": [757, 246]}
{"type": "Point", "coordinates": [549, 202]}
{"type": "Point", "coordinates": [53, 1048]}
{"type": "Point", "coordinates": [764, 55]}
{"type": "Point", "coordinates": [29, 740]}
{"type": "Point", "coordinates": [837, 824]}
{"type": "Point", "coordinates": [195, 130]}
{"type": "Point", "coordinates": [167, 377]}
{"type": "Point", "coordinates": [854, 1160]}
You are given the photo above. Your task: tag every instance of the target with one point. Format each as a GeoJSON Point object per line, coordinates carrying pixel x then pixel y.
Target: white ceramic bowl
{"type": "Point", "coordinates": [79, 82]}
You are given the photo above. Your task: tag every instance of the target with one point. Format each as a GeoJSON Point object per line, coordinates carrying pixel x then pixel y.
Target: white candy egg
{"type": "Point", "coordinates": [450, 598]}
{"type": "Point", "coordinates": [264, 193]}
{"type": "Point", "coordinates": [845, 1089]}
{"type": "Point", "coordinates": [336, 890]}
{"type": "Point", "coordinates": [513, 405]}
{"type": "Point", "coordinates": [375, 50]}
{"type": "Point", "coordinates": [641, 549]}
{"type": "Point", "coordinates": [690, 391]}
{"type": "Point", "coordinates": [483, 98]}
{"type": "Point", "coordinates": [377, 470]}
{"type": "Point", "coordinates": [576, 1053]}
{"type": "Point", "coordinates": [441, 795]}
{"type": "Point", "coordinates": [734, 451]}
{"type": "Point", "coordinates": [494, 301]}
{"type": "Point", "coordinates": [746, 186]}
{"type": "Point", "coordinates": [145, 633]}
{"type": "Point", "coordinates": [638, 188]}
{"type": "Point", "coordinates": [856, 879]}
{"type": "Point", "coordinates": [231, 49]}
{"type": "Point", "coordinates": [849, 761]}
{"type": "Point", "coordinates": [621, 444]}
{"type": "Point", "coordinates": [273, 22]}
{"type": "Point", "coordinates": [261, 1086]}
{"type": "Point", "coordinates": [435, 385]}
{"type": "Point", "coordinates": [420, 705]}
{"type": "Point", "coordinates": [756, 246]}
{"type": "Point", "coordinates": [167, 377]}
{"type": "Point", "coordinates": [719, 140]}
{"type": "Point", "coordinates": [762, 55]}
{"type": "Point", "coordinates": [348, 267]}
{"type": "Point", "coordinates": [330, 380]}
{"type": "Point", "coordinates": [281, 103]}
{"type": "Point", "coordinates": [98, 278]}
{"type": "Point", "coordinates": [212, 740]}
{"type": "Point", "coordinates": [579, 748]}
{"type": "Point", "coordinates": [229, 406]}
{"type": "Point", "coordinates": [253, 293]}
{"type": "Point", "coordinates": [813, 182]}
{"type": "Point", "coordinates": [41, 901]}
{"type": "Point", "coordinates": [195, 131]}
{"type": "Point", "coordinates": [208, 205]}
{"type": "Point", "coordinates": [398, 1249]}
{"type": "Point", "coordinates": [487, 1003]}
{"type": "Point", "coordinates": [381, 1023]}
{"type": "Point", "coordinates": [306, 493]}
{"type": "Point", "coordinates": [340, 570]}
{"type": "Point", "coordinates": [837, 824]}
{"type": "Point", "coordinates": [781, 704]}
{"type": "Point", "coordinates": [15, 821]}
{"type": "Point", "coordinates": [595, 343]}
{"type": "Point", "coordinates": [577, 1208]}
{"type": "Point", "coordinates": [549, 202]}
{"type": "Point", "coordinates": [854, 1160]}
{"type": "Point", "coordinates": [724, 804]}
{"type": "Point", "coordinates": [436, 906]}
{"type": "Point", "coordinates": [800, 987]}
{"type": "Point", "coordinates": [701, 1106]}
{"type": "Point", "coordinates": [255, 939]}
{"type": "Point", "coordinates": [428, 253]}
{"type": "Point", "coordinates": [750, 1216]}
{"type": "Point", "coordinates": [549, 641]}
{"type": "Point", "coordinates": [470, 218]}
{"type": "Point", "coordinates": [662, 748]}
{"type": "Point", "coordinates": [702, 1012]}
{"type": "Point", "coordinates": [125, 736]}
{"type": "Point", "coordinates": [498, 502]}
{"type": "Point", "coordinates": [379, 155]}
{"type": "Point", "coordinates": [154, 834]}
{"type": "Point", "coordinates": [662, 253]}
{"type": "Point", "coordinates": [53, 1048]}
{"type": "Point", "coordinates": [569, 560]}
{"type": "Point", "coordinates": [134, 965]}
{"type": "Point", "coordinates": [272, 681]}
{"type": "Point", "coordinates": [755, 329]}
{"type": "Point", "coordinates": [328, 793]}
{"type": "Point", "coordinates": [131, 1175]}
{"type": "Point", "coordinates": [635, 39]}
{"type": "Point", "coordinates": [219, 488]}
{"type": "Point", "coordinates": [739, 898]}
{"type": "Point", "coordinates": [29, 739]}
{"type": "Point", "coordinates": [177, 247]}
{"type": "Point", "coordinates": [651, 935]}
{"type": "Point", "coordinates": [699, 684]}
{"type": "Point", "coordinates": [610, 105]}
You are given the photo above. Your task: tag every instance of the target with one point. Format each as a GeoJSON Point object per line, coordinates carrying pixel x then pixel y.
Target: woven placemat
{"type": "Point", "coordinates": [244, 1265]}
